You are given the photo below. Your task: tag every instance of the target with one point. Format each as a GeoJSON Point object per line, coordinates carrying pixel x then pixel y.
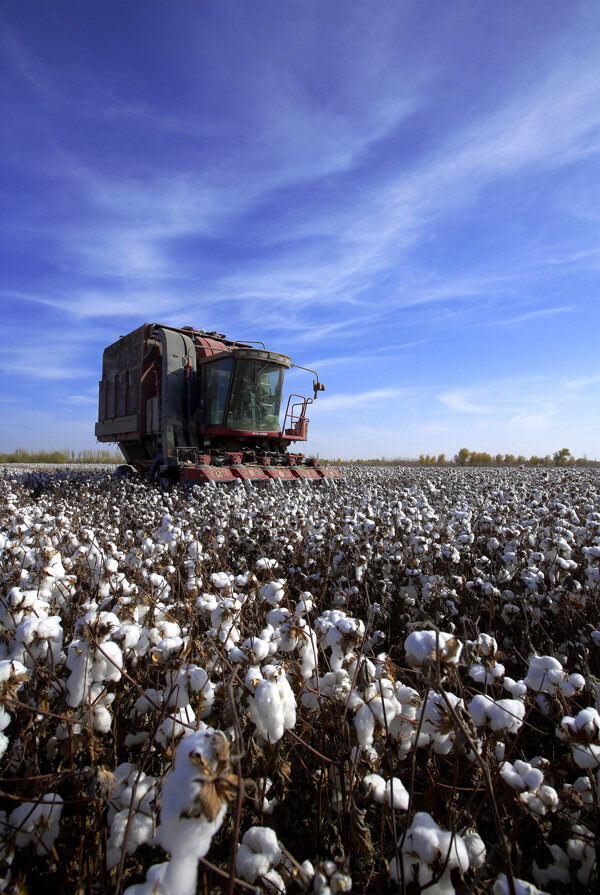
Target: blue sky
{"type": "Point", "coordinates": [404, 195]}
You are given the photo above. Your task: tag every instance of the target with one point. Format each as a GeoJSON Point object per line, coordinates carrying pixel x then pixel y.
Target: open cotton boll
{"type": "Point", "coordinates": [557, 870]}
{"type": "Point", "coordinates": [273, 592]}
{"type": "Point", "coordinates": [391, 792]}
{"type": "Point", "coordinates": [501, 715]}
{"type": "Point", "coordinates": [583, 732]}
{"type": "Point", "coordinates": [192, 807]}
{"type": "Point", "coordinates": [475, 849]}
{"type": "Point", "coordinates": [437, 726]}
{"type": "Point", "coordinates": [258, 852]}
{"type": "Point", "coordinates": [37, 822]}
{"type": "Point", "coordinates": [502, 887]}
{"type": "Point", "coordinates": [425, 647]}
{"type": "Point", "coordinates": [273, 706]}
{"type": "Point", "coordinates": [425, 848]}
{"type": "Point", "coordinates": [140, 831]}
{"type": "Point", "coordinates": [174, 726]}
{"type": "Point", "coordinates": [546, 675]}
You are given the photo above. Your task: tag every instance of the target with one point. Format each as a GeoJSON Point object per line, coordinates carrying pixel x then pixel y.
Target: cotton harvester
{"type": "Point", "coordinates": [193, 405]}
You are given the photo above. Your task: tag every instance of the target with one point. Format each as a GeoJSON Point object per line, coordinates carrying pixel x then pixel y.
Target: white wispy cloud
{"type": "Point", "coordinates": [344, 402]}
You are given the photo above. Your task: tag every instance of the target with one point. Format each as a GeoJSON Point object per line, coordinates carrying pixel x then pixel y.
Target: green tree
{"type": "Point", "coordinates": [462, 457]}
{"type": "Point", "coordinates": [562, 457]}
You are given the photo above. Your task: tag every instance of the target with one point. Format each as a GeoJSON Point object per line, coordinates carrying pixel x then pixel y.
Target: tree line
{"type": "Point", "coordinates": [466, 457]}
{"type": "Point", "coordinates": [63, 456]}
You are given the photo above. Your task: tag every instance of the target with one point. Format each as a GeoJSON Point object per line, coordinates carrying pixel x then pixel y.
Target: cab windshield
{"type": "Point", "coordinates": [242, 394]}
{"type": "Point", "coordinates": [255, 396]}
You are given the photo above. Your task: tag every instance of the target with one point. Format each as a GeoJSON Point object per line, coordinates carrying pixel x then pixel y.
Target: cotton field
{"type": "Point", "coordinates": [385, 684]}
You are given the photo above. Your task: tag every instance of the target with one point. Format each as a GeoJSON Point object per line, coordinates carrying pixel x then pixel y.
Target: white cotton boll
{"type": "Point", "coordinates": [268, 711]}
{"type": "Point", "coordinates": [259, 648]}
{"type": "Point", "coordinates": [558, 870]}
{"type": "Point", "coordinates": [502, 887]}
{"type": "Point", "coordinates": [423, 647]}
{"type": "Point", "coordinates": [253, 677]}
{"type": "Point", "coordinates": [249, 865]}
{"type": "Point", "coordinates": [175, 726]}
{"type": "Point", "coordinates": [518, 689]}
{"type": "Point", "coordinates": [263, 563]}
{"type": "Point", "coordinates": [476, 850]}
{"type": "Point", "coordinates": [108, 664]}
{"type": "Point", "coordinates": [79, 663]}
{"type": "Point", "coordinates": [206, 603]}
{"type": "Point", "coordinates": [396, 794]}
{"type": "Point", "coordinates": [545, 674]}
{"type": "Point", "coordinates": [149, 700]}
{"type": "Point", "coordinates": [221, 580]}
{"type": "Point", "coordinates": [184, 830]}
{"type": "Point", "coordinates": [140, 831]}
{"type": "Point", "coordinates": [273, 592]}
{"type": "Point", "coordinates": [340, 882]}
{"type": "Point", "coordinates": [424, 847]}
{"type": "Point", "coordinates": [37, 823]}
{"type": "Point", "coordinates": [305, 604]}
{"type": "Point", "coordinates": [375, 787]}
{"type": "Point", "coordinates": [533, 778]}
{"type": "Point", "coordinates": [584, 732]}
{"type": "Point", "coordinates": [502, 715]}
{"type": "Point", "coordinates": [264, 840]}
{"type": "Point", "coordinates": [101, 718]}
{"type": "Point", "coordinates": [364, 722]}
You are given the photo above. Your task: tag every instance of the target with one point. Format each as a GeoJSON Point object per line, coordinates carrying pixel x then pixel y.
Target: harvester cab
{"type": "Point", "coordinates": [194, 405]}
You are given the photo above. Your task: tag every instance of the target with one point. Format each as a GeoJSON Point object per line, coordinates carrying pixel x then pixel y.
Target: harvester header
{"type": "Point", "coordinates": [190, 404]}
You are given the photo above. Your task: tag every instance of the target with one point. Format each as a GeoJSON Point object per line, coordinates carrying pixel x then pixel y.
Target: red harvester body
{"type": "Point", "coordinates": [185, 403]}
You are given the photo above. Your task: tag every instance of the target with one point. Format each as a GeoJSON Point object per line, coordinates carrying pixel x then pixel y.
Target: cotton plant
{"type": "Point", "coordinates": [483, 655]}
{"type": "Point", "coordinates": [503, 886]}
{"type": "Point", "coordinates": [39, 640]}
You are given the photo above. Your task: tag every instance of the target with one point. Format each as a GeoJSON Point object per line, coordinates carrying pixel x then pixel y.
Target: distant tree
{"type": "Point", "coordinates": [441, 460]}
{"type": "Point", "coordinates": [498, 459]}
{"type": "Point", "coordinates": [562, 457]}
{"type": "Point", "coordinates": [462, 457]}
{"type": "Point", "coordinates": [509, 460]}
